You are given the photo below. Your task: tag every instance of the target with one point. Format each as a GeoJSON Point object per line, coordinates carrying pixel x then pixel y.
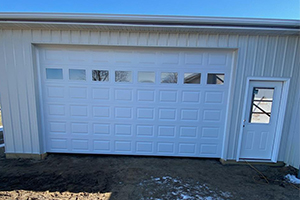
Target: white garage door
{"type": "Point", "coordinates": [134, 101]}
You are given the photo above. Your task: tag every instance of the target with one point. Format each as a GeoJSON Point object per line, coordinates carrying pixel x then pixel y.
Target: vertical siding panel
{"type": "Point", "coordinates": [153, 39]}
{"type": "Point", "coordinates": [94, 38]}
{"type": "Point", "coordinates": [84, 37]}
{"type": "Point", "coordinates": [133, 39]}
{"type": "Point", "coordinates": [223, 41]}
{"type": "Point", "coordinates": [75, 37]}
{"type": "Point", "coordinates": [55, 37]}
{"type": "Point", "coordinates": [289, 58]}
{"type": "Point", "coordinates": [143, 39]}
{"type": "Point", "coordinates": [279, 56]}
{"type": "Point", "coordinates": [284, 56]}
{"type": "Point", "coordinates": [212, 40]}
{"type": "Point", "coordinates": [36, 35]}
{"type": "Point", "coordinates": [46, 36]}
{"type": "Point", "coordinates": [162, 39]}
{"type": "Point", "coordinates": [5, 90]}
{"type": "Point", "coordinates": [32, 94]}
{"type": "Point", "coordinates": [255, 56]}
{"type": "Point", "coordinates": [251, 49]}
{"type": "Point", "coordinates": [104, 38]}
{"type": "Point", "coordinates": [260, 52]}
{"type": "Point", "coordinates": [238, 96]}
{"type": "Point", "coordinates": [270, 56]}
{"type": "Point", "coordinates": [124, 38]}
{"type": "Point", "coordinates": [192, 40]}
{"type": "Point", "coordinates": [114, 38]}
{"type": "Point", "coordinates": [182, 40]}
{"type": "Point", "coordinates": [233, 41]}
{"type": "Point", "coordinates": [173, 39]}
{"type": "Point", "coordinates": [202, 40]}
{"type": "Point", "coordinates": [13, 83]}
{"type": "Point", "coordinates": [65, 37]}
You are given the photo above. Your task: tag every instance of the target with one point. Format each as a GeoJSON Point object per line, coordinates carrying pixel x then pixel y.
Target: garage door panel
{"type": "Point", "coordinates": [133, 101]}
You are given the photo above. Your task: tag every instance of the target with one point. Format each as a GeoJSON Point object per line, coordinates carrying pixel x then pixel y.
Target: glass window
{"type": "Point", "coordinates": [146, 77]}
{"type": "Point", "coordinates": [54, 73]}
{"type": "Point", "coordinates": [77, 74]}
{"type": "Point", "coordinates": [100, 75]}
{"type": "Point", "coordinates": [215, 79]}
{"type": "Point", "coordinates": [169, 77]}
{"type": "Point", "coordinates": [123, 76]}
{"type": "Point", "coordinates": [192, 78]}
{"type": "Point", "coordinates": [262, 99]}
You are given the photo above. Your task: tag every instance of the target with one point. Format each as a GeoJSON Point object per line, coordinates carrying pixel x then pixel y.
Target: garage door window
{"type": "Point", "coordinates": [169, 77]}
{"type": "Point", "coordinates": [146, 77]}
{"type": "Point", "coordinates": [215, 79]}
{"type": "Point", "coordinates": [100, 75]}
{"type": "Point", "coordinates": [77, 74]}
{"type": "Point", "coordinates": [192, 78]}
{"type": "Point", "coordinates": [54, 73]}
{"type": "Point", "coordinates": [123, 76]}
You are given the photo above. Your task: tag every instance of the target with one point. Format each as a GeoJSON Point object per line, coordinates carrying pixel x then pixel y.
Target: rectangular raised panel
{"type": "Point", "coordinates": [101, 111]}
{"type": "Point", "coordinates": [208, 148]}
{"type": "Point", "coordinates": [217, 59]}
{"type": "Point", "coordinates": [249, 140]}
{"type": "Point", "coordinates": [212, 115]}
{"type": "Point", "coordinates": [191, 96]}
{"type": "Point", "coordinates": [146, 147]}
{"type": "Point", "coordinates": [145, 130]}
{"type": "Point", "coordinates": [100, 56]}
{"type": "Point", "coordinates": [165, 147]}
{"type": "Point", "coordinates": [80, 145]}
{"type": "Point", "coordinates": [145, 113]}
{"type": "Point", "coordinates": [56, 91]}
{"type": "Point", "coordinates": [146, 58]}
{"type": "Point", "coordinates": [189, 114]}
{"type": "Point", "coordinates": [81, 128]}
{"type": "Point", "coordinates": [123, 112]}
{"type": "Point", "coordinates": [213, 97]}
{"type": "Point", "coordinates": [167, 114]}
{"type": "Point", "coordinates": [123, 129]}
{"type": "Point", "coordinates": [56, 109]}
{"type": "Point", "coordinates": [210, 132]}
{"type": "Point", "coordinates": [263, 140]}
{"type": "Point", "coordinates": [123, 94]}
{"type": "Point", "coordinates": [100, 93]}
{"type": "Point", "coordinates": [80, 111]}
{"type": "Point", "coordinates": [58, 144]}
{"type": "Point", "coordinates": [122, 146]}
{"type": "Point", "coordinates": [166, 131]}
{"type": "Point", "coordinates": [193, 58]}
{"type": "Point", "coordinates": [78, 92]}
{"type": "Point", "coordinates": [168, 96]}
{"type": "Point", "coordinates": [53, 55]}
{"type": "Point", "coordinates": [103, 129]}
{"type": "Point", "coordinates": [145, 95]}
{"type": "Point", "coordinates": [187, 148]}
{"type": "Point", "coordinates": [58, 127]}
{"type": "Point", "coordinates": [186, 131]}
{"type": "Point", "coordinates": [102, 145]}
{"type": "Point", "coordinates": [170, 58]}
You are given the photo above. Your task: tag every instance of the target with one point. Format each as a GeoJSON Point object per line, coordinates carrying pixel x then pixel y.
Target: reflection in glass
{"type": "Point", "coordinates": [262, 99]}
{"type": "Point", "coordinates": [215, 79]}
{"type": "Point", "coordinates": [54, 73]}
{"type": "Point", "coordinates": [192, 78]}
{"type": "Point", "coordinates": [146, 77]}
{"type": "Point", "coordinates": [169, 77]}
{"type": "Point", "coordinates": [100, 75]}
{"type": "Point", "coordinates": [123, 76]}
{"type": "Point", "coordinates": [77, 74]}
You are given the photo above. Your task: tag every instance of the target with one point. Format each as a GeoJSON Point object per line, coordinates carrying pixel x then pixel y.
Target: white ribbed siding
{"type": "Point", "coordinates": [258, 55]}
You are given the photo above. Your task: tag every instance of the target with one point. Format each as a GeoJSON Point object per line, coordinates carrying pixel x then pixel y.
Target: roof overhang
{"type": "Point", "coordinates": [149, 23]}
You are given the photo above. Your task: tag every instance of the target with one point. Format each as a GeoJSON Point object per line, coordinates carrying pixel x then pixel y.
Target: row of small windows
{"type": "Point", "coordinates": [143, 77]}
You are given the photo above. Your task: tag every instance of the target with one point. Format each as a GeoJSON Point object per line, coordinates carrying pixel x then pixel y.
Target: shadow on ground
{"type": "Point", "coordinates": [128, 177]}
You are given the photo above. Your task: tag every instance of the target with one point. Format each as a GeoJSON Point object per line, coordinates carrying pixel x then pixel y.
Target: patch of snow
{"type": "Point", "coordinates": [292, 179]}
{"type": "Point", "coordinates": [1, 128]}
{"type": "Point", "coordinates": [2, 145]}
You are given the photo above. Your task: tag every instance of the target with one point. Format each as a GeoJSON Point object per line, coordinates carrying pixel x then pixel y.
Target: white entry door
{"type": "Point", "coordinates": [260, 120]}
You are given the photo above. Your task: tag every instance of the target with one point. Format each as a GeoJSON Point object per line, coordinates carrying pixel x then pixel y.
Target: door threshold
{"type": "Point", "coordinates": [252, 161]}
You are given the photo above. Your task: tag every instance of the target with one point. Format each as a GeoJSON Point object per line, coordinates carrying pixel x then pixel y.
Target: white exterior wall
{"type": "Point", "coordinates": [258, 55]}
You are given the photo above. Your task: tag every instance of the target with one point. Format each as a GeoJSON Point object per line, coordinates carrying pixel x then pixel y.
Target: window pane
{"type": "Point", "coordinates": [100, 75]}
{"type": "Point", "coordinates": [146, 77]}
{"type": "Point", "coordinates": [77, 74]}
{"type": "Point", "coordinates": [215, 79]}
{"type": "Point", "coordinates": [123, 76]}
{"type": "Point", "coordinates": [262, 99]}
{"type": "Point", "coordinates": [192, 78]}
{"type": "Point", "coordinates": [169, 77]}
{"type": "Point", "coordinates": [54, 73]}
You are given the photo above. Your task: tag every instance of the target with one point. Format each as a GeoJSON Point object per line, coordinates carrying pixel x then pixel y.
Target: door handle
{"type": "Point", "coordinates": [244, 123]}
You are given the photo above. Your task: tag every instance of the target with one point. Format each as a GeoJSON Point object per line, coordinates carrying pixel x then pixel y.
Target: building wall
{"type": "Point", "coordinates": [257, 55]}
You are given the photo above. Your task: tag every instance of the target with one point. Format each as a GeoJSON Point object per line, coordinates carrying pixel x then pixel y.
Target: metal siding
{"type": "Point", "coordinates": [269, 56]}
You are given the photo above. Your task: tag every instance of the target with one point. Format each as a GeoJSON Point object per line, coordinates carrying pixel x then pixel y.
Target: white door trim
{"type": "Point", "coordinates": [280, 120]}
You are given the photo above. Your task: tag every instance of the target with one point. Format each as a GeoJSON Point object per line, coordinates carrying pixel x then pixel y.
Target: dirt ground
{"type": "Point", "coordinates": [62, 176]}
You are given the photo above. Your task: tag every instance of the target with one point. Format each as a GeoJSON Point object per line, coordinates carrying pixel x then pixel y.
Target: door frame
{"type": "Point", "coordinates": [280, 120]}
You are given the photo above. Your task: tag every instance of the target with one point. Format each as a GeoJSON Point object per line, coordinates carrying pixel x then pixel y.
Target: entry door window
{"type": "Point", "coordinates": [261, 106]}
